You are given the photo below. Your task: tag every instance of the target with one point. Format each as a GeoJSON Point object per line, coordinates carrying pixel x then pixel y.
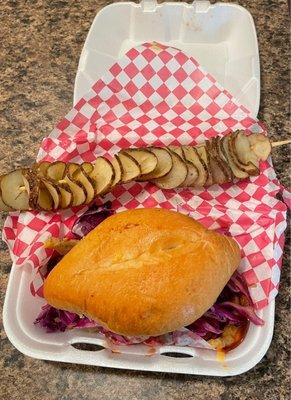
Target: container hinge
{"type": "Point", "coordinates": [148, 5]}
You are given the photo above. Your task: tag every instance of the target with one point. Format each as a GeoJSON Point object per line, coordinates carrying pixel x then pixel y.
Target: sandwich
{"type": "Point", "coordinates": [148, 273]}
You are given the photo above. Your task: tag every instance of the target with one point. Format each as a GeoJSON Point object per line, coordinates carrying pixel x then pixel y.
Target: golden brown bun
{"type": "Point", "coordinates": [144, 272]}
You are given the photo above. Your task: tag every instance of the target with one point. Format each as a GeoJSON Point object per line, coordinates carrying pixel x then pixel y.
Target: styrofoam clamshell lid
{"type": "Point", "coordinates": [221, 37]}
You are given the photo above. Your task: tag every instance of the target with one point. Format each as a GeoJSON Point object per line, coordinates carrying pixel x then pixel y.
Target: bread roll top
{"type": "Point", "coordinates": [144, 272]}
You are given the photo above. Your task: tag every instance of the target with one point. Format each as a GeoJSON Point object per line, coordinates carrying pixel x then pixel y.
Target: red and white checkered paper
{"type": "Point", "coordinates": [157, 95]}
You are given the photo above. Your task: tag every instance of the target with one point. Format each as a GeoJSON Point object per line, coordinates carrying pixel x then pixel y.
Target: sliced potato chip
{"type": "Point", "coordinates": [164, 164]}
{"type": "Point", "coordinates": [41, 168]}
{"type": "Point", "coordinates": [45, 200]}
{"type": "Point", "coordinates": [54, 192]}
{"type": "Point", "coordinates": [192, 175]}
{"type": "Point", "coordinates": [77, 190]}
{"type": "Point", "coordinates": [130, 167]}
{"type": "Point", "coordinates": [87, 167]}
{"type": "Point", "coordinates": [260, 145]}
{"type": "Point", "coordinates": [217, 171]}
{"type": "Point", "coordinates": [72, 168]}
{"type": "Point", "coordinates": [249, 167]}
{"type": "Point", "coordinates": [221, 160]}
{"type": "Point", "coordinates": [243, 148]}
{"type": "Point", "coordinates": [3, 206]}
{"type": "Point", "coordinates": [238, 173]}
{"type": "Point", "coordinates": [146, 159]}
{"type": "Point", "coordinates": [204, 156]}
{"type": "Point", "coordinates": [192, 155]}
{"type": "Point", "coordinates": [175, 177]}
{"type": "Point", "coordinates": [116, 164]}
{"type": "Point", "coordinates": [56, 170]}
{"type": "Point", "coordinates": [79, 176]}
{"type": "Point", "coordinates": [14, 193]}
{"type": "Point", "coordinates": [177, 150]}
{"type": "Point", "coordinates": [223, 157]}
{"type": "Point", "coordinates": [66, 196]}
{"type": "Point", "coordinates": [102, 175]}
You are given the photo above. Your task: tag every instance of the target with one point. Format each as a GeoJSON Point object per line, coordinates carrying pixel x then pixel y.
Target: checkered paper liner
{"type": "Point", "coordinates": [157, 95]}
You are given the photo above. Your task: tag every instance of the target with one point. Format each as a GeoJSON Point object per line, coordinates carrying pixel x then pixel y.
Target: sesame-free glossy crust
{"type": "Point", "coordinates": [144, 272]}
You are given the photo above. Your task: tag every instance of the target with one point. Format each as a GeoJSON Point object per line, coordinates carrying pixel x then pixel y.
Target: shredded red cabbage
{"type": "Point", "coordinates": [234, 306]}
{"type": "Point", "coordinates": [52, 262]}
{"type": "Point", "coordinates": [55, 320]}
{"type": "Point", "coordinates": [91, 218]}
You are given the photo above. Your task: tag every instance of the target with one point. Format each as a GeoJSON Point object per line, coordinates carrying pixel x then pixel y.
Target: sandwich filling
{"type": "Point", "coordinates": [222, 327]}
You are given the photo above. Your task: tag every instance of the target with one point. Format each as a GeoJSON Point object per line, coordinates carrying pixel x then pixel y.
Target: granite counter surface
{"type": "Point", "coordinates": [40, 44]}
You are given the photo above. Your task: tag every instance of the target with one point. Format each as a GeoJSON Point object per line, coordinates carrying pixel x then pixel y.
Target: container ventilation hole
{"type": "Point", "coordinates": [176, 355]}
{"type": "Point", "coordinates": [87, 346]}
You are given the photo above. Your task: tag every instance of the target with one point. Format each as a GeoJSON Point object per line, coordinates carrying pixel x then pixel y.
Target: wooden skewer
{"type": "Point", "coordinates": [280, 143]}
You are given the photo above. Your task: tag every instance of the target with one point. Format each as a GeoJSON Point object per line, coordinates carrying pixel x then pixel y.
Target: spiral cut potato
{"type": "Point", "coordinates": [58, 185]}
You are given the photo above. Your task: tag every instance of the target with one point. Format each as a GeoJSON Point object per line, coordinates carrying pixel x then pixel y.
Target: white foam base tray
{"type": "Point", "coordinates": [222, 38]}
{"type": "Point", "coordinates": [21, 309]}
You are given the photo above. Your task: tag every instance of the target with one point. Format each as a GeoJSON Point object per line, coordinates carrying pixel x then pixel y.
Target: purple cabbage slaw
{"type": "Point", "coordinates": [91, 218]}
{"type": "Point", "coordinates": [233, 307]}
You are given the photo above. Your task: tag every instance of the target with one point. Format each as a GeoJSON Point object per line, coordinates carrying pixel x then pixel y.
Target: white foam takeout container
{"type": "Point", "coordinates": [222, 38]}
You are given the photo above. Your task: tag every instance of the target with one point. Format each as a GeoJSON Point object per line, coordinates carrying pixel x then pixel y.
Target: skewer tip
{"type": "Point", "coordinates": [281, 143]}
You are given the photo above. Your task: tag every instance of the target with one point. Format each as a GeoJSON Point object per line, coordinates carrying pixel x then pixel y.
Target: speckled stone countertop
{"type": "Point", "coordinates": [40, 44]}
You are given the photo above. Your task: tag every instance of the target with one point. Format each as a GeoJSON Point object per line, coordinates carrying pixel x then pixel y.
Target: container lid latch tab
{"type": "Point", "coordinates": [148, 5]}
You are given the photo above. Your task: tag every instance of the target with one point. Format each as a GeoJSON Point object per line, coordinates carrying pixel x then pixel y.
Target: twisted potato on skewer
{"type": "Point", "coordinates": [59, 185]}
